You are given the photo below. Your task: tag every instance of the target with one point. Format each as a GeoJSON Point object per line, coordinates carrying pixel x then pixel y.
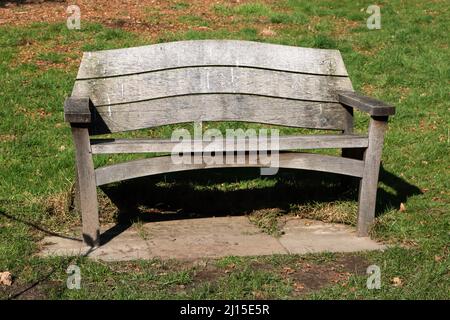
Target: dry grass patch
{"type": "Point", "coordinates": [50, 54]}
{"type": "Point", "coordinates": [269, 221]}
{"type": "Point", "coordinates": [342, 27]}
{"type": "Point", "coordinates": [330, 212]}
{"type": "Point", "coordinates": [7, 137]}
{"type": "Point", "coordinates": [63, 215]}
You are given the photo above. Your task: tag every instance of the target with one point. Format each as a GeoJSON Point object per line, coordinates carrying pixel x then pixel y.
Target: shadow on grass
{"type": "Point", "coordinates": [203, 193]}
{"type": "Point", "coordinates": [192, 194]}
{"type": "Point", "coordinates": [36, 226]}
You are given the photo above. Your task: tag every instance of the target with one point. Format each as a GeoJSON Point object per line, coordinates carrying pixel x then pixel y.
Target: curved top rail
{"type": "Point", "coordinates": [195, 53]}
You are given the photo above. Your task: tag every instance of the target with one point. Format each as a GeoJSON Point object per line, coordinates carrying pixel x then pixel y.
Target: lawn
{"type": "Point", "coordinates": [404, 63]}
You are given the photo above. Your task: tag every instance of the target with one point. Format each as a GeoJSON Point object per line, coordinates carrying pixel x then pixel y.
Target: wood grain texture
{"type": "Point", "coordinates": [372, 106]}
{"type": "Point", "coordinates": [369, 182]}
{"type": "Point", "coordinates": [78, 110]}
{"type": "Point", "coordinates": [111, 146]}
{"type": "Point", "coordinates": [209, 80]}
{"type": "Point", "coordinates": [86, 186]}
{"type": "Point", "coordinates": [220, 80]}
{"type": "Point", "coordinates": [181, 54]}
{"type": "Point", "coordinates": [157, 165]}
{"type": "Point", "coordinates": [219, 107]}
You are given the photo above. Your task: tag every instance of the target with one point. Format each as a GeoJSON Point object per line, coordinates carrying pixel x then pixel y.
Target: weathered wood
{"type": "Point", "coordinates": [369, 182]}
{"type": "Point", "coordinates": [87, 186]}
{"type": "Point", "coordinates": [77, 110]}
{"type": "Point", "coordinates": [209, 80]}
{"type": "Point", "coordinates": [181, 54]}
{"type": "Point", "coordinates": [158, 165]}
{"type": "Point", "coordinates": [102, 146]}
{"type": "Point", "coordinates": [372, 106]}
{"type": "Point", "coordinates": [348, 130]}
{"type": "Point", "coordinates": [220, 80]}
{"type": "Point", "coordinates": [76, 193]}
{"type": "Point", "coordinates": [219, 107]}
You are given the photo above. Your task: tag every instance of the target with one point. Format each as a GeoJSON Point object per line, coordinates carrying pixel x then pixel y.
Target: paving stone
{"type": "Point", "coordinates": [211, 237]}
{"type": "Point", "coordinates": [305, 236]}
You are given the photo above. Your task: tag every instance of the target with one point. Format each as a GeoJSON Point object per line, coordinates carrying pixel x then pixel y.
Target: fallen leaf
{"type": "Point", "coordinates": [288, 270]}
{"type": "Point", "coordinates": [402, 207]}
{"type": "Point", "coordinates": [437, 258]}
{"type": "Point", "coordinates": [6, 278]}
{"type": "Point", "coordinates": [268, 33]}
{"type": "Point", "coordinates": [258, 294]}
{"type": "Point", "coordinates": [298, 286]}
{"type": "Point", "coordinates": [397, 281]}
{"type": "Point", "coordinates": [306, 267]}
{"type": "Point", "coordinates": [200, 263]}
{"type": "Point", "coordinates": [230, 267]}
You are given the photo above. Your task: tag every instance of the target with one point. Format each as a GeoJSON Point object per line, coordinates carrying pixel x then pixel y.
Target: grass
{"type": "Point", "coordinates": [180, 5]}
{"type": "Point", "coordinates": [193, 20]}
{"type": "Point", "coordinates": [252, 12]}
{"type": "Point", "coordinates": [405, 63]}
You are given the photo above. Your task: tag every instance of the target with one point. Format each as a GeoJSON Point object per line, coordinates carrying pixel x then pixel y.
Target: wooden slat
{"type": "Point", "coordinates": [209, 80]}
{"type": "Point", "coordinates": [158, 165]}
{"type": "Point", "coordinates": [370, 105]}
{"type": "Point", "coordinates": [102, 146]}
{"type": "Point", "coordinates": [219, 107]}
{"type": "Point", "coordinates": [210, 53]}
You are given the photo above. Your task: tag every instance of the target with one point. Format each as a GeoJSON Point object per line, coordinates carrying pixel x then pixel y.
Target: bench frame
{"type": "Point", "coordinates": [79, 112]}
{"type": "Point", "coordinates": [360, 160]}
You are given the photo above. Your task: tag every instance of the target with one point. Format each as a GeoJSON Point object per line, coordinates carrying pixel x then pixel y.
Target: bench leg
{"type": "Point", "coordinates": [87, 187]}
{"type": "Point", "coordinates": [369, 182]}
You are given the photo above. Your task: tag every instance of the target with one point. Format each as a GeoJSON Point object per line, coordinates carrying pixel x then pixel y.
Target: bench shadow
{"type": "Point", "coordinates": [188, 194]}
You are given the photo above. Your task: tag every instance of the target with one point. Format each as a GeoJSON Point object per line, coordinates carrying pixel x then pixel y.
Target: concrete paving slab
{"type": "Point", "coordinates": [212, 237]}
{"type": "Point", "coordinates": [306, 236]}
{"type": "Point", "coordinates": [209, 237]}
{"type": "Point", "coordinates": [128, 245]}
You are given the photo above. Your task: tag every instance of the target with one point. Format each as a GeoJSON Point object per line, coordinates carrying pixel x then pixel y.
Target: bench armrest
{"type": "Point", "coordinates": [78, 110]}
{"type": "Point", "coordinates": [372, 106]}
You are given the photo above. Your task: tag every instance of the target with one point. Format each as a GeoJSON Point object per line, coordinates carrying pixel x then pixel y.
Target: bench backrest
{"type": "Point", "coordinates": [214, 80]}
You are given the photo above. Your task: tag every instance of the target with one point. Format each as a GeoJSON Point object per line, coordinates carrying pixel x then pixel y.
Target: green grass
{"type": "Point", "coordinates": [404, 63]}
{"type": "Point", "coordinates": [180, 6]}
{"type": "Point", "coordinates": [193, 20]}
{"type": "Point", "coordinates": [51, 57]}
{"type": "Point", "coordinates": [252, 9]}
{"type": "Point", "coordinates": [252, 12]}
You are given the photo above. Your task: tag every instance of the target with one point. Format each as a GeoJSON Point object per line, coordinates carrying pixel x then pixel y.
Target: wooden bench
{"type": "Point", "coordinates": [188, 81]}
